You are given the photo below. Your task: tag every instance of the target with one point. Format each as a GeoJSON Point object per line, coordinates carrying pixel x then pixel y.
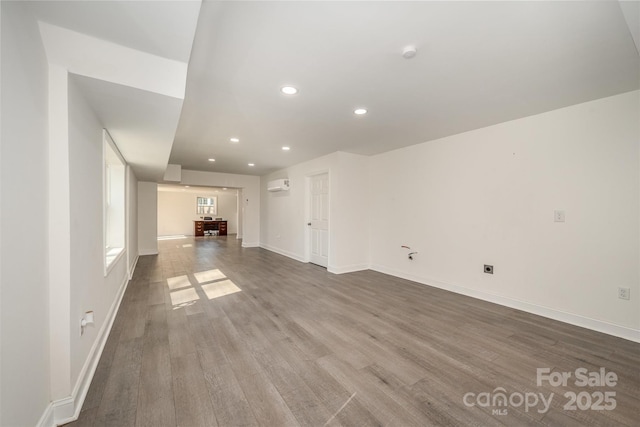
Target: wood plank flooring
{"type": "Point", "coordinates": [211, 334]}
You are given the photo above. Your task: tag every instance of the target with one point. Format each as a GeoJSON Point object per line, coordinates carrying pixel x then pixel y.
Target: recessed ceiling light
{"type": "Point", "coordinates": [234, 140]}
{"type": "Point", "coordinates": [360, 111]}
{"type": "Point", "coordinates": [186, 186]}
{"type": "Point", "coordinates": [252, 164]}
{"type": "Point", "coordinates": [286, 148]}
{"type": "Point", "coordinates": [212, 160]}
{"type": "Point", "coordinates": [289, 90]}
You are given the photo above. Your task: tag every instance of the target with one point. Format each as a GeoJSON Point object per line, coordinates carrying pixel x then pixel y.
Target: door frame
{"type": "Point", "coordinates": [307, 216]}
{"type": "Point", "coordinates": [239, 212]}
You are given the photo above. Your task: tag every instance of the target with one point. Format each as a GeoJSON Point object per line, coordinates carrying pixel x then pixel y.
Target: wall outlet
{"type": "Point", "coordinates": [558, 216]}
{"type": "Point", "coordinates": [624, 293]}
{"type": "Point", "coordinates": [488, 269]}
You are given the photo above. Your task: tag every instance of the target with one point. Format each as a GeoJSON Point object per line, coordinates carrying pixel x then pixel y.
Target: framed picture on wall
{"type": "Point", "coordinates": [207, 205]}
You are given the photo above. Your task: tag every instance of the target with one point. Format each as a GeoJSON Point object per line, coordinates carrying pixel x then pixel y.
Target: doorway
{"type": "Point", "coordinates": [179, 206]}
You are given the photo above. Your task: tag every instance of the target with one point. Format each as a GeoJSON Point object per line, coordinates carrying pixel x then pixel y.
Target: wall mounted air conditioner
{"type": "Point", "coordinates": [278, 185]}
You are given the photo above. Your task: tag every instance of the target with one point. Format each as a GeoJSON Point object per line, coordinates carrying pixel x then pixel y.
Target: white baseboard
{"type": "Point", "coordinates": [46, 420]}
{"type": "Point", "coordinates": [551, 313]}
{"type": "Point", "coordinates": [65, 410]}
{"type": "Point", "coordinates": [133, 267]}
{"type": "Point", "coordinates": [282, 252]}
{"type": "Point", "coordinates": [250, 244]}
{"type": "Point", "coordinates": [331, 269]}
{"type": "Point", "coordinates": [347, 268]}
{"type": "Point", "coordinates": [148, 253]}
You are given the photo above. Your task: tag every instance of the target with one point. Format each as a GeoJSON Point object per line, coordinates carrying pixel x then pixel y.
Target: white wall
{"type": "Point", "coordinates": [285, 214]}
{"type": "Point", "coordinates": [147, 218]}
{"type": "Point", "coordinates": [90, 289]}
{"type": "Point", "coordinates": [68, 186]}
{"type": "Point", "coordinates": [132, 221]}
{"type": "Point", "coordinates": [351, 196]}
{"type": "Point", "coordinates": [250, 185]}
{"type": "Point", "coordinates": [1, 226]}
{"type": "Point", "coordinates": [24, 368]}
{"type": "Point", "coordinates": [177, 210]}
{"type": "Point", "coordinates": [488, 197]}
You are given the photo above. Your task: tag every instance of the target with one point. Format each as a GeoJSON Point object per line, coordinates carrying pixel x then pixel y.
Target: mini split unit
{"type": "Point", "coordinates": [278, 185]}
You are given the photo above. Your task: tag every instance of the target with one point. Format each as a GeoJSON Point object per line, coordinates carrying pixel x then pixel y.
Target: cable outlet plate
{"type": "Point", "coordinates": [488, 269]}
{"type": "Point", "coordinates": [624, 293]}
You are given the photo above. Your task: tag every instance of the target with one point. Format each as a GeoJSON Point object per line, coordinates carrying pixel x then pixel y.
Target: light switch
{"type": "Point", "coordinates": [558, 216]}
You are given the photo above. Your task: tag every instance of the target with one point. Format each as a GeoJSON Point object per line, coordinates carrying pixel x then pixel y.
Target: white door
{"type": "Point", "coordinates": [319, 223]}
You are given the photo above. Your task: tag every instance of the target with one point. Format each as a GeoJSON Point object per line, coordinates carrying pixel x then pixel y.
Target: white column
{"type": "Point", "coordinates": [59, 235]}
{"type": "Point", "coordinates": [147, 218]}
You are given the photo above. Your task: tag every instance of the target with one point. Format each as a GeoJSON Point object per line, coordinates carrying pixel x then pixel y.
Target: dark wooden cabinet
{"type": "Point", "coordinates": [203, 227]}
{"type": "Point", "coordinates": [199, 228]}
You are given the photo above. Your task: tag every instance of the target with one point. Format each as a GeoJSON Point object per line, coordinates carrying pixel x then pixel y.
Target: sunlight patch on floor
{"type": "Point", "coordinates": [209, 276]}
{"type": "Point", "coordinates": [178, 282]}
{"type": "Point", "coordinates": [184, 296]}
{"type": "Point", "coordinates": [174, 237]}
{"type": "Point", "coordinates": [220, 289]}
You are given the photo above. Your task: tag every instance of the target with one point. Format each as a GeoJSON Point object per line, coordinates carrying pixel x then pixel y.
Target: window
{"type": "Point", "coordinates": [207, 205]}
{"type": "Point", "coordinates": [113, 200]}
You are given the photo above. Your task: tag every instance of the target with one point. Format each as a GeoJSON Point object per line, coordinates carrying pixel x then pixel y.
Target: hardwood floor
{"type": "Point", "coordinates": [209, 334]}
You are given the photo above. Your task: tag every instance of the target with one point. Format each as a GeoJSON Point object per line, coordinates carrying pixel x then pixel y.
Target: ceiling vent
{"type": "Point", "coordinates": [278, 185]}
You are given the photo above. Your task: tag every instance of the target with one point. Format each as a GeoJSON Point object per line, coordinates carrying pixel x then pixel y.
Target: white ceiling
{"type": "Point", "coordinates": [142, 123]}
{"type": "Point", "coordinates": [157, 27]}
{"type": "Point", "coordinates": [129, 59]}
{"type": "Point", "coordinates": [478, 64]}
